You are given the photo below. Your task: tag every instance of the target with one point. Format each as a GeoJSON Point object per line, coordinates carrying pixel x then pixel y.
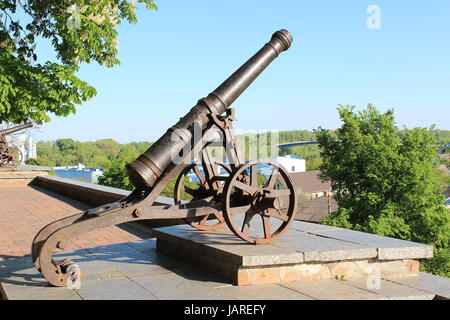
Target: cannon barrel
{"type": "Point", "coordinates": [149, 166]}
{"type": "Point", "coordinates": [9, 131]}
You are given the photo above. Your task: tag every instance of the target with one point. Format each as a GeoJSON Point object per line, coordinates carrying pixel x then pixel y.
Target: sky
{"type": "Point", "coordinates": [341, 54]}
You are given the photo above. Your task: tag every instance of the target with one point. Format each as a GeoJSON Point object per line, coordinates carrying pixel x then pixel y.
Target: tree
{"type": "Point", "coordinates": [79, 30]}
{"type": "Point", "coordinates": [385, 181]}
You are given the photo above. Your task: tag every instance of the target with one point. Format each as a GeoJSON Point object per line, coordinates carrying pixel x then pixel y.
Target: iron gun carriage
{"type": "Point", "coordinates": [11, 156]}
{"type": "Point", "coordinates": [231, 193]}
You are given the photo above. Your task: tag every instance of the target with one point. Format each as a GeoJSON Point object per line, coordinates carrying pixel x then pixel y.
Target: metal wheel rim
{"type": "Point", "coordinates": [228, 215]}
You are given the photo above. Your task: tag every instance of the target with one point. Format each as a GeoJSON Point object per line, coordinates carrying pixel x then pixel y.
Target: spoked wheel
{"type": "Point", "coordinates": [17, 156]}
{"type": "Point", "coordinates": [12, 158]}
{"type": "Point", "coordinates": [199, 189]}
{"type": "Point", "coordinates": [4, 159]}
{"type": "Point", "coordinates": [259, 201]}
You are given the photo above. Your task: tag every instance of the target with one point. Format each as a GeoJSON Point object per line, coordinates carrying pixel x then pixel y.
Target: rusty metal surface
{"type": "Point", "coordinates": [11, 156]}
{"type": "Point", "coordinates": [217, 199]}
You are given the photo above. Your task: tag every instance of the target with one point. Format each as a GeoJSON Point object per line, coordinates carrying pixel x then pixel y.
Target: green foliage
{"type": "Point", "coordinates": [385, 181]}
{"type": "Point", "coordinates": [116, 176]}
{"type": "Point", "coordinates": [79, 30]}
{"type": "Point", "coordinates": [440, 264]}
{"type": "Point", "coordinates": [261, 146]}
{"type": "Point", "coordinates": [98, 154]}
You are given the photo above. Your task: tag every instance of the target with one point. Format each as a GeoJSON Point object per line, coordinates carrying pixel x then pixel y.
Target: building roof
{"type": "Point", "coordinates": [309, 182]}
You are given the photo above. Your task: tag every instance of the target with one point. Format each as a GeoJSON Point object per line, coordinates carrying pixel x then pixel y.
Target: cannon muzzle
{"type": "Point", "coordinates": [150, 165]}
{"type": "Point", "coordinates": [12, 130]}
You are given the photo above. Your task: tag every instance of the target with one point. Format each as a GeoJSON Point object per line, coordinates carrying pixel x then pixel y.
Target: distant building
{"type": "Point", "coordinates": [316, 199]}
{"type": "Point", "coordinates": [26, 145]}
{"type": "Point", "coordinates": [309, 183]}
{"type": "Point", "coordinates": [291, 163]}
{"type": "Point", "coordinates": [31, 148]}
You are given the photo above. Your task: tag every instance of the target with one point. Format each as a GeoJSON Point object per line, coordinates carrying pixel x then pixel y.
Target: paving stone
{"type": "Point", "coordinates": [113, 289]}
{"type": "Point", "coordinates": [202, 277]}
{"type": "Point", "coordinates": [439, 286]}
{"type": "Point", "coordinates": [12, 265]}
{"type": "Point", "coordinates": [311, 227]}
{"type": "Point", "coordinates": [147, 246]}
{"type": "Point", "coordinates": [24, 210]}
{"type": "Point", "coordinates": [263, 292]}
{"type": "Point", "coordinates": [332, 290]}
{"type": "Point", "coordinates": [118, 252]}
{"type": "Point", "coordinates": [175, 287]}
{"type": "Point", "coordinates": [316, 248]}
{"type": "Point", "coordinates": [132, 262]}
{"type": "Point", "coordinates": [89, 263]}
{"type": "Point", "coordinates": [19, 280]}
{"type": "Point", "coordinates": [18, 292]}
{"type": "Point", "coordinates": [226, 245]}
{"type": "Point", "coordinates": [388, 248]}
{"type": "Point", "coordinates": [392, 290]}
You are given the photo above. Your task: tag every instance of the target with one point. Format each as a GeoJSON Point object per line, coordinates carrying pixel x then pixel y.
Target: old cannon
{"type": "Point", "coordinates": [11, 156]}
{"type": "Point", "coordinates": [257, 205]}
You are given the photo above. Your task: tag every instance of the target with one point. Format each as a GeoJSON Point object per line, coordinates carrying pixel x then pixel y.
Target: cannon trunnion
{"type": "Point", "coordinates": [256, 200]}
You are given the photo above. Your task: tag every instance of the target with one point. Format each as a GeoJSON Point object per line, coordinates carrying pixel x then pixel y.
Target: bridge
{"type": "Point", "coordinates": [295, 144]}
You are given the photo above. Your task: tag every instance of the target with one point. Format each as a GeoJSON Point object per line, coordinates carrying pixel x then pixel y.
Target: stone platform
{"type": "Point", "coordinates": [306, 252]}
{"type": "Point", "coordinates": [21, 175]}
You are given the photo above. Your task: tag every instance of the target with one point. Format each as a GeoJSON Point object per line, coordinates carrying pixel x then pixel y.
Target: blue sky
{"type": "Point", "coordinates": [178, 54]}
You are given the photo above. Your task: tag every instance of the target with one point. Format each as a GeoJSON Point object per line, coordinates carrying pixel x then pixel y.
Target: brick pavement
{"type": "Point", "coordinates": [24, 210]}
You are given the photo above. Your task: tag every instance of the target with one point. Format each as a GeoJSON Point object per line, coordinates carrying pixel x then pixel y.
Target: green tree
{"type": "Point", "coordinates": [384, 181]}
{"type": "Point", "coordinates": [79, 31]}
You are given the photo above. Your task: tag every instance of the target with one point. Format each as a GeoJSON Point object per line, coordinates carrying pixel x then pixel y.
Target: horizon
{"type": "Point", "coordinates": [238, 134]}
{"type": "Point", "coordinates": [176, 55]}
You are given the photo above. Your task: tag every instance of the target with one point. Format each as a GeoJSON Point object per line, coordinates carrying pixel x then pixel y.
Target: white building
{"type": "Point", "coordinates": [31, 148]}
{"type": "Point", "coordinates": [26, 145]}
{"type": "Point", "coordinates": [291, 163]}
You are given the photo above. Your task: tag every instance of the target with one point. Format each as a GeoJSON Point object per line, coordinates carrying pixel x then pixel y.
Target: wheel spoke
{"type": "Point", "coordinates": [246, 225]}
{"type": "Point", "coordinates": [244, 187]}
{"type": "Point", "coordinates": [219, 217]}
{"type": "Point", "coordinates": [266, 225]}
{"type": "Point", "coordinates": [203, 220]}
{"type": "Point", "coordinates": [254, 176]}
{"type": "Point", "coordinates": [276, 214]}
{"type": "Point", "coordinates": [190, 191]}
{"type": "Point", "coordinates": [273, 178]}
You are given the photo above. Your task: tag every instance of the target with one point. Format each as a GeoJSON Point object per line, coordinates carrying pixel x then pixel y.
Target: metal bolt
{"type": "Point", "coordinates": [61, 245]}
{"type": "Point", "coordinates": [137, 213]}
